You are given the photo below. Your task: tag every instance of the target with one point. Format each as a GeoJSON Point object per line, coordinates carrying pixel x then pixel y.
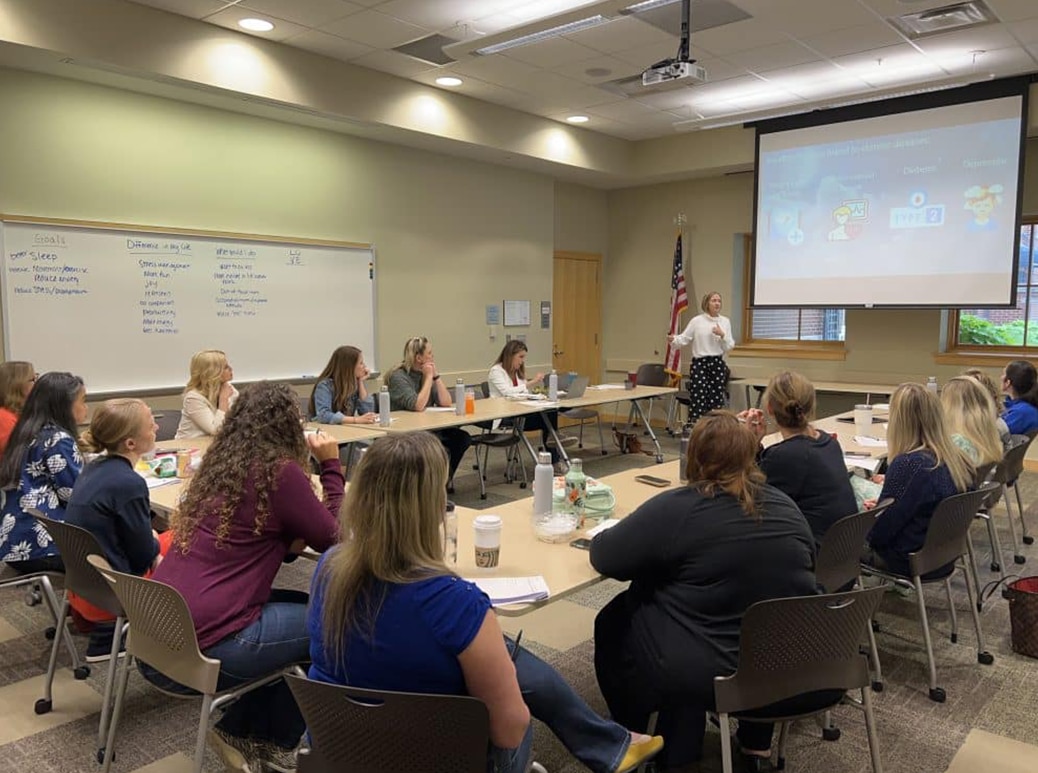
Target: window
{"type": "Point", "coordinates": [821, 328]}
{"type": "Point", "coordinates": [1004, 330]}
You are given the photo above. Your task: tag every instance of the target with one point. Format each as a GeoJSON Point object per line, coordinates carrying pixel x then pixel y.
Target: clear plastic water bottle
{"type": "Point", "coordinates": [383, 406]}
{"type": "Point", "coordinates": [459, 397]}
{"type": "Point", "coordinates": [553, 386]}
{"type": "Point", "coordinates": [576, 490]}
{"type": "Point", "coordinates": [931, 384]}
{"type": "Point", "coordinates": [683, 460]}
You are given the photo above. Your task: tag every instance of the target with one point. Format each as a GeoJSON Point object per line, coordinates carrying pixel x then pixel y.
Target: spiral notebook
{"type": "Point", "coordinates": [513, 590]}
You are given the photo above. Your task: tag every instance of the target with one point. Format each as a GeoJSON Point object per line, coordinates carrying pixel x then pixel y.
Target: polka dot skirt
{"type": "Point", "coordinates": [709, 381]}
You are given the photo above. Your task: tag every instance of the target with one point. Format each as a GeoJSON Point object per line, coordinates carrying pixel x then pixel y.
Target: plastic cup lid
{"type": "Point", "coordinates": [487, 522]}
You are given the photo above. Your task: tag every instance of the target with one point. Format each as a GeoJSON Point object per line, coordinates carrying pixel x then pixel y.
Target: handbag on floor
{"type": "Point", "coordinates": [1023, 615]}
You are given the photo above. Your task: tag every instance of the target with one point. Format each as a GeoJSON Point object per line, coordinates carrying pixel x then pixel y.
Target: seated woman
{"type": "Point", "coordinates": [16, 381]}
{"type": "Point", "coordinates": [508, 377]}
{"type": "Point", "coordinates": [697, 558]}
{"type": "Point", "coordinates": [38, 469]}
{"type": "Point", "coordinates": [997, 400]}
{"type": "Point", "coordinates": [208, 396]}
{"type": "Point", "coordinates": [250, 507]}
{"type": "Point", "coordinates": [386, 613]}
{"type": "Point", "coordinates": [925, 466]}
{"type": "Point", "coordinates": [1020, 385]}
{"type": "Point", "coordinates": [111, 501]}
{"type": "Point", "coordinates": [807, 465]}
{"type": "Point", "coordinates": [969, 419]}
{"type": "Point", "coordinates": [415, 385]}
{"type": "Point", "coordinates": [339, 396]}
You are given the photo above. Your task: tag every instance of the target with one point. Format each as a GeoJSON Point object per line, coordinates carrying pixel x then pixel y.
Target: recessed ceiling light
{"type": "Point", "coordinates": [256, 25]}
{"type": "Point", "coordinates": [578, 119]}
{"type": "Point", "coordinates": [448, 80]}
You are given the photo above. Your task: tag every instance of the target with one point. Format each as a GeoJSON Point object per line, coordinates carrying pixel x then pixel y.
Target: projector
{"type": "Point", "coordinates": [665, 72]}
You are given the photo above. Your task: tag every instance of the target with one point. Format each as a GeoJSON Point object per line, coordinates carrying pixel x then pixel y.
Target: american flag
{"type": "Point", "coordinates": [678, 303]}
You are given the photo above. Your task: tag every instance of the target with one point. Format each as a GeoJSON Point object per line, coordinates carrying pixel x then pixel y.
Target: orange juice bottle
{"type": "Point", "coordinates": [470, 402]}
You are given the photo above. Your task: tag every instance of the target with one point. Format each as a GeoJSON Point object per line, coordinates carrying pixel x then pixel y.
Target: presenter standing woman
{"type": "Point", "coordinates": [711, 337]}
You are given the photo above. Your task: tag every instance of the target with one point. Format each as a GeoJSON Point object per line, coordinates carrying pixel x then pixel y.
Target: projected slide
{"type": "Point", "coordinates": [915, 208]}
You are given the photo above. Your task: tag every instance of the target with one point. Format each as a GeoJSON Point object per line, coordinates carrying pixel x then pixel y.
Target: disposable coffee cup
{"type": "Point", "coordinates": [863, 420]}
{"type": "Point", "coordinates": [631, 381]}
{"type": "Point", "coordinates": [487, 540]}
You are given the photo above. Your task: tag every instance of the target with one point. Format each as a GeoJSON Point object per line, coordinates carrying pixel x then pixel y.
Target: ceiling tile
{"type": "Point", "coordinates": [393, 62]}
{"type": "Point", "coordinates": [988, 37]}
{"type": "Point", "coordinates": [668, 100]}
{"type": "Point", "coordinates": [1025, 31]}
{"type": "Point", "coordinates": [643, 56]}
{"type": "Point", "coordinates": [807, 17]}
{"type": "Point", "coordinates": [891, 65]}
{"type": "Point", "coordinates": [603, 68]}
{"type": "Point", "coordinates": [791, 78]}
{"type": "Point", "coordinates": [1001, 62]}
{"type": "Point", "coordinates": [376, 29]}
{"type": "Point", "coordinates": [196, 9]}
{"type": "Point", "coordinates": [229, 18]}
{"type": "Point", "coordinates": [853, 40]}
{"type": "Point", "coordinates": [309, 13]}
{"type": "Point", "coordinates": [622, 34]}
{"type": "Point", "coordinates": [442, 14]}
{"type": "Point", "coordinates": [625, 110]}
{"type": "Point", "coordinates": [836, 88]}
{"type": "Point", "coordinates": [740, 36]}
{"type": "Point", "coordinates": [1014, 10]}
{"type": "Point", "coordinates": [329, 45]}
{"type": "Point", "coordinates": [551, 53]}
{"type": "Point", "coordinates": [499, 70]}
{"type": "Point", "coordinates": [773, 57]}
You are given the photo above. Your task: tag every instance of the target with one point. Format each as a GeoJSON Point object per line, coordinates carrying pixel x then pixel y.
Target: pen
{"type": "Point", "coordinates": [515, 646]}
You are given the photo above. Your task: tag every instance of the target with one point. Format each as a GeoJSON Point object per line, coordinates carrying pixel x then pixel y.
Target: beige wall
{"type": "Point", "coordinates": [451, 235]}
{"type": "Point", "coordinates": [883, 346]}
{"type": "Point", "coordinates": [581, 219]}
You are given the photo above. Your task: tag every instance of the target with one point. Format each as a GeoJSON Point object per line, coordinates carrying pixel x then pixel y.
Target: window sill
{"type": "Point", "coordinates": [996, 359]}
{"type": "Point", "coordinates": [791, 351]}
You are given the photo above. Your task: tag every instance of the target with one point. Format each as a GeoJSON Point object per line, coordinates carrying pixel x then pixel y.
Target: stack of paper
{"type": "Point", "coordinates": [513, 590]}
{"type": "Point", "coordinates": [870, 442]}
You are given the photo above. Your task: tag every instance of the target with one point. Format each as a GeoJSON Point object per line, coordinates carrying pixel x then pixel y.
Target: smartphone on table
{"type": "Point", "coordinates": [582, 543]}
{"type": "Point", "coordinates": [652, 480]}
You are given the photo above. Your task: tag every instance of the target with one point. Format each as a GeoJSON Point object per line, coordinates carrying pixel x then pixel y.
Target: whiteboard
{"type": "Point", "coordinates": [126, 308]}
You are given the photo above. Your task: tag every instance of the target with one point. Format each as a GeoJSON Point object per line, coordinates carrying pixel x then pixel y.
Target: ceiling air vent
{"type": "Point", "coordinates": [428, 49]}
{"type": "Point", "coordinates": [948, 18]}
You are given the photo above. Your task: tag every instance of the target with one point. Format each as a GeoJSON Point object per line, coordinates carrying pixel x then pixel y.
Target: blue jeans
{"type": "Point", "coordinates": [276, 640]}
{"type": "Point", "coordinates": [597, 742]}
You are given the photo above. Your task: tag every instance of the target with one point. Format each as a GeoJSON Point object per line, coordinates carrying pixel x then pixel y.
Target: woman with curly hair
{"type": "Point", "coordinates": [249, 508]}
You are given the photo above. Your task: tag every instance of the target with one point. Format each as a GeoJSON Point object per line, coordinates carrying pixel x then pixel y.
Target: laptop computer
{"type": "Point", "coordinates": [576, 387]}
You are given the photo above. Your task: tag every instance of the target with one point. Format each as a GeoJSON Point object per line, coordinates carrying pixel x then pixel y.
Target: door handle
{"type": "Point", "coordinates": [556, 353]}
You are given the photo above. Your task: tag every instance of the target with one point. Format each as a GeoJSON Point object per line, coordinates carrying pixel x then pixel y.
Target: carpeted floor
{"type": "Point", "coordinates": [998, 702]}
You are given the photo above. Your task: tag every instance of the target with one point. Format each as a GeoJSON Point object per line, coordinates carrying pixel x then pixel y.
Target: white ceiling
{"type": "Point", "coordinates": [791, 55]}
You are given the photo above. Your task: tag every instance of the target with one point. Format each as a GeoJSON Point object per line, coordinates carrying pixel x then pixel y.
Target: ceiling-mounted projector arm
{"type": "Point", "coordinates": [685, 48]}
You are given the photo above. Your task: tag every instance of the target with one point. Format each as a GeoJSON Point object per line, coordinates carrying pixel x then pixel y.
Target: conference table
{"type": "Point", "coordinates": [838, 387]}
{"type": "Point", "coordinates": [565, 569]}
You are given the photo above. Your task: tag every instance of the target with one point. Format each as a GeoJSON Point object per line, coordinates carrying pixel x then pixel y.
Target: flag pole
{"type": "Point", "coordinates": [674, 371]}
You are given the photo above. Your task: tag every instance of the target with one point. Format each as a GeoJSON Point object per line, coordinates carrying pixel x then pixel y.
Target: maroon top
{"type": "Point", "coordinates": [225, 587]}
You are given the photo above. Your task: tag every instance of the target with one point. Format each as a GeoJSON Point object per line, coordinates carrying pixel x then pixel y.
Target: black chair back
{"type": "Point", "coordinates": [946, 534]}
{"type": "Point", "coordinates": [839, 554]}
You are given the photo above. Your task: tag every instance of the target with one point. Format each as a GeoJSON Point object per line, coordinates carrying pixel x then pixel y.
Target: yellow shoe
{"type": "Point", "coordinates": [639, 752]}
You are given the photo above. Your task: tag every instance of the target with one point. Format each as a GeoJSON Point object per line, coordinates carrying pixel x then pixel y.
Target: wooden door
{"type": "Point", "coordinates": [577, 308]}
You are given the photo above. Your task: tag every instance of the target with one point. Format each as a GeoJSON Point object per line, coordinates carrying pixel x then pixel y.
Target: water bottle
{"type": "Point", "coordinates": [576, 490]}
{"type": "Point", "coordinates": [931, 384]}
{"type": "Point", "coordinates": [553, 386]}
{"type": "Point", "coordinates": [683, 461]}
{"type": "Point", "coordinates": [543, 481]}
{"type": "Point", "coordinates": [459, 397]}
{"type": "Point", "coordinates": [383, 407]}
{"type": "Point", "coordinates": [450, 535]}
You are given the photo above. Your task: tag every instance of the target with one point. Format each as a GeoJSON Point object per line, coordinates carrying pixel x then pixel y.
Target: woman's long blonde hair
{"type": "Point", "coordinates": [342, 370]}
{"type": "Point", "coordinates": [394, 508]}
{"type": "Point", "coordinates": [722, 459]}
{"type": "Point", "coordinates": [917, 424]}
{"type": "Point", "coordinates": [968, 412]}
{"type": "Point", "coordinates": [207, 373]}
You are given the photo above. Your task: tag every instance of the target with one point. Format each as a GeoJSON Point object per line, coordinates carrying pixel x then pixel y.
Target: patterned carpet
{"type": "Point", "coordinates": [916, 735]}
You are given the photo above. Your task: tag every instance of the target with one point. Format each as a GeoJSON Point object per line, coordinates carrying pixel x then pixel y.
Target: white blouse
{"type": "Point", "coordinates": [501, 385]}
{"type": "Point", "coordinates": [200, 418]}
{"type": "Point", "coordinates": [700, 333]}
